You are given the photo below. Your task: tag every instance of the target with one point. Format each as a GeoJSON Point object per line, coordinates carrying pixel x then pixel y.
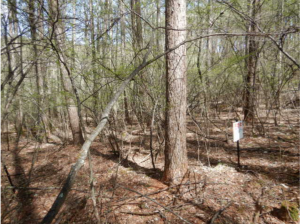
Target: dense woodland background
{"type": "Point", "coordinates": [93, 79]}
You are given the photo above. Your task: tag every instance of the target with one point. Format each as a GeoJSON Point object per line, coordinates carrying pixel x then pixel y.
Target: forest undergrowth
{"type": "Point", "coordinates": [265, 189]}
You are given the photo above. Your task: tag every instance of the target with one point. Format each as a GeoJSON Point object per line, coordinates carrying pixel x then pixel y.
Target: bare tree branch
{"type": "Point", "coordinates": [290, 30]}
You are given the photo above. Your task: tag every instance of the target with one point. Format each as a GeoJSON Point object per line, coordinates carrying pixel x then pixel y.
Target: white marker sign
{"type": "Point", "coordinates": [237, 131]}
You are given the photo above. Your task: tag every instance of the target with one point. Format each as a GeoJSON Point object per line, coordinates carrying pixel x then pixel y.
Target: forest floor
{"type": "Point", "coordinates": [215, 190]}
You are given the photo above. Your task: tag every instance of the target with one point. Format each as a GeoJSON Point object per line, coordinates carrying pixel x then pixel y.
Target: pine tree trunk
{"type": "Point", "coordinates": [176, 162]}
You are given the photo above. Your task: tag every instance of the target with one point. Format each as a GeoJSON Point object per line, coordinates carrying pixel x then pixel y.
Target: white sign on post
{"type": "Point", "coordinates": [237, 131]}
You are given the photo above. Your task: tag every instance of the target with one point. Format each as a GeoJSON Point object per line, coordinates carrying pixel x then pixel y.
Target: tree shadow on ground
{"type": "Point", "coordinates": [150, 172]}
{"type": "Point", "coordinates": [221, 218]}
{"type": "Point", "coordinates": [27, 212]}
{"type": "Point", "coordinates": [141, 141]}
{"type": "Point", "coordinates": [26, 177]}
{"type": "Point", "coordinates": [227, 147]}
{"type": "Point", "coordinates": [202, 144]}
{"type": "Point", "coordinates": [76, 204]}
{"type": "Point", "coordinates": [279, 174]}
{"type": "Point", "coordinates": [271, 154]}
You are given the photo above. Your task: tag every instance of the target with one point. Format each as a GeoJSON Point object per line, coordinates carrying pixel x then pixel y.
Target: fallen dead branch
{"type": "Point", "coordinates": [141, 213]}
{"type": "Point", "coordinates": [219, 212]}
{"type": "Point", "coordinates": [154, 201]}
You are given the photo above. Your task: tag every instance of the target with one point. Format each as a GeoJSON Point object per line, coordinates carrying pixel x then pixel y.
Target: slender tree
{"type": "Point", "coordinates": [136, 23]}
{"type": "Point", "coordinates": [251, 63]}
{"type": "Point", "coordinates": [37, 31]}
{"type": "Point", "coordinates": [68, 83]}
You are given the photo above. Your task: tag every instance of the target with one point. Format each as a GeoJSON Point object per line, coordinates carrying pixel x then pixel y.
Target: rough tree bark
{"type": "Point", "coordinates": [176, 162]}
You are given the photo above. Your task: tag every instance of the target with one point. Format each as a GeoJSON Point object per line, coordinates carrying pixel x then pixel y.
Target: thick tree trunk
{"type": "Point", "coordinates": [65, 72]}
{"type": "Point", "coordinates": [176, 162]}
